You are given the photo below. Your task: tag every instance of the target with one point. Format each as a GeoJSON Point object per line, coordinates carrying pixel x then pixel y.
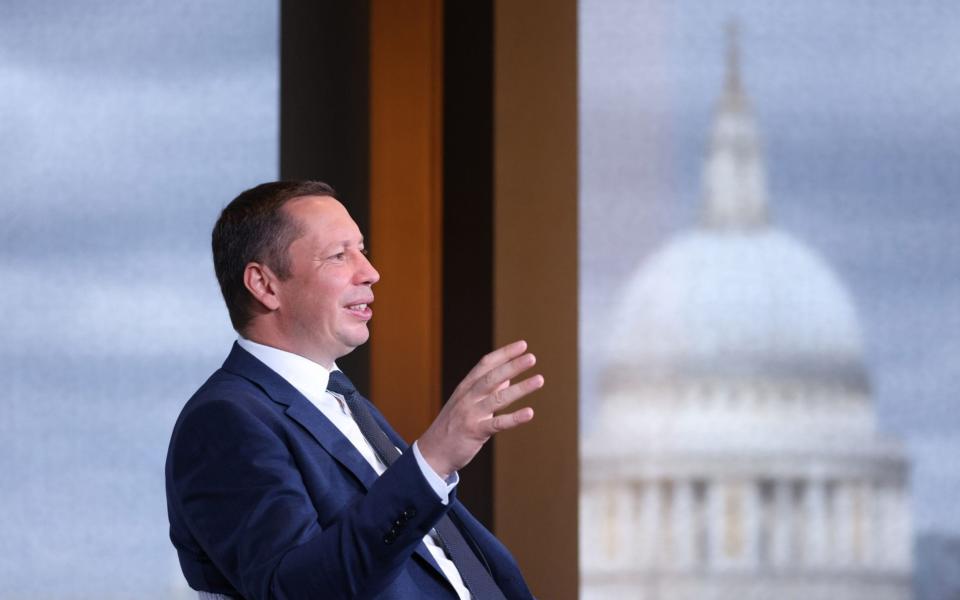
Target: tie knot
{"type": "Point", "coordinates": [340, 384]}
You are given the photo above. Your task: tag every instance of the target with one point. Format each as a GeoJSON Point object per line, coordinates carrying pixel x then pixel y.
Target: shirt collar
{"type": "Point", "coordinates": [308, 377]}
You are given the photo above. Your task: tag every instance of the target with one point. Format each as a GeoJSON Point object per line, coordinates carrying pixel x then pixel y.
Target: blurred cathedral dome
{"type": "Point", "coordinates": [735, 452]}
{"type": "Point", "coordinates": [734, 326]}
{"type": "Point", "coordinates": [736, 297]}
{"type": "Point", "coordinates": [736, 303]}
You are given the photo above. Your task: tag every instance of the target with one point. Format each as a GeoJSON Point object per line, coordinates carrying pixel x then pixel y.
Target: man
{"type": "Point", "coordinates": [282, 481]}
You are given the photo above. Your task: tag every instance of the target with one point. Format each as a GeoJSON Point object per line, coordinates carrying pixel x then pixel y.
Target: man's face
{"type": "Point", "coordinates": [324, 303]}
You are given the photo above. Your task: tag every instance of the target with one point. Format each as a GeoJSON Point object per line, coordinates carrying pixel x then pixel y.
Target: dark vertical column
{"type": "Point", "coordinates": [324, 116]}
{"type": "Point", "coordinates": [468, 216]}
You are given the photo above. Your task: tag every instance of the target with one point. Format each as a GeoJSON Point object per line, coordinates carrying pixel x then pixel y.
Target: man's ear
{"type": "Point", "coordinates": [262, 284]}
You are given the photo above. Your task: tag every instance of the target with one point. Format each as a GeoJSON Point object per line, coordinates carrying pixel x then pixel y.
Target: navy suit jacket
{"type": "Point", "coordinates": [267, 499]}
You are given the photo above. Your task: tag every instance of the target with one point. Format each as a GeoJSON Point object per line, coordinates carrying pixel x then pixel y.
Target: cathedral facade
{"type": "Point", "coordinates": [735, 454]}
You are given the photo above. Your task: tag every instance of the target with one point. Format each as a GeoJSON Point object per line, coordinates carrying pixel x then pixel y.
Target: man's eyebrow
{"type": "Point", "coordinates": [342, 244]}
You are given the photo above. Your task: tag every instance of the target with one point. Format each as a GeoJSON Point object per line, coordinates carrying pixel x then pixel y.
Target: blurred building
{"type": "Point", "coordinates": [735, 454]}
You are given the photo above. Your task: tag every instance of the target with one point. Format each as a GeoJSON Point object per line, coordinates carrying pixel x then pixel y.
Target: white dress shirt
{"type": "Point", "coordinates": [310, 379]}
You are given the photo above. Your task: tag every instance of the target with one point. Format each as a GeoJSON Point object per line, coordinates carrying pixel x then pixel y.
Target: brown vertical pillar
{"type": "Point", "coordinates": [535, 281]}
{"type": "Point", "coordinates": [406, 46]}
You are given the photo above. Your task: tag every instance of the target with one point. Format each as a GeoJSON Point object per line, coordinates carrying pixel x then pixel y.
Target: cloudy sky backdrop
{"type": "Point", "coordinates": [124, 128]}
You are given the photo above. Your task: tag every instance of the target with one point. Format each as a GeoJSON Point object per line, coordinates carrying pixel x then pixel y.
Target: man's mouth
{"type": "Point", "coordinates": [361, 310]}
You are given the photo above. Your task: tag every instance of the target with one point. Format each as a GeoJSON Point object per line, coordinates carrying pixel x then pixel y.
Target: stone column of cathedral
{"type": "Point", "coordinates": [782, 524]}
{"type": "Point", "coordinates": [648, 531]}
{"type": "Point", "coordinates": [843, 526]}
{"type": "Point", "coordinates": [681, 525]}
{"type": "Point", "coordinates": [750, 524]}
{"type": "Point", "coordinates": [816, 523]}
{"type": "Point", "coordinates": [716, 523]}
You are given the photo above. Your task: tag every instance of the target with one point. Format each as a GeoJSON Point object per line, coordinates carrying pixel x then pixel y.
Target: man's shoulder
{"type": "Point", "coordinates": [230, 383]}
{"type": "Point", "coordinates": [224, 383]}
{"type": "Point", "coordinates": [224, 393]}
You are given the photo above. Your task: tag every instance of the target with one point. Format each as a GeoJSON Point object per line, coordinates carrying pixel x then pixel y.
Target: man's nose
{"type": "Point", "coordinates": [368, 275]}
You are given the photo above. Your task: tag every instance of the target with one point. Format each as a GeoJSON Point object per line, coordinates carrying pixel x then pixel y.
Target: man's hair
{"type": "Point", "coordinates": [255, 228]}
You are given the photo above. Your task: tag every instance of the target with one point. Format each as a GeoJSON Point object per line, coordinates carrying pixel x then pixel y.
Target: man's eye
{"type": "Point", "coordinates": [339, 256]}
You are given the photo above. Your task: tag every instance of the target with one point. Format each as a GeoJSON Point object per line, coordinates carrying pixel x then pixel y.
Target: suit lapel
{"type": "Point", "coordinates": [332, 440]}
{"type": "Point", "coordinates": [242, 363]}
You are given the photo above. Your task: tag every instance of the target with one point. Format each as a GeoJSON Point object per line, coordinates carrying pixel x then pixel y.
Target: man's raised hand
{"type": "Point", "coordinates": [469, 418]}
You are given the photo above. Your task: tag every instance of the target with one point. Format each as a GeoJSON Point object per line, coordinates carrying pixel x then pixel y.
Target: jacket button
{"type": "Point", "coordinates": [409, 514]}
{"type": "Point", "coordinates": [391, 537]}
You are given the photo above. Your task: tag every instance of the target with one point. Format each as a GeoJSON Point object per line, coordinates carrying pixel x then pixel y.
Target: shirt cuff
{"type": "Point", "coordinates": [442, 487]}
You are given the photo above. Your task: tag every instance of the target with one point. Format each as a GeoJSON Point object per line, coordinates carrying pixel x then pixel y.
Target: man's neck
{"type": "Point", "coordinates": [268, 337]}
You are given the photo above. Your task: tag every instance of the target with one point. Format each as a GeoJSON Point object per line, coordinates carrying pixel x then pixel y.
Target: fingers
{"type": "Point", "coordinates": [495, 378]}
{"type": "Point", "coordinates": [508, 395]}
{"type": "Point", "coordinates": [509, 421]}
{"type": "Point", "coordinates": [493, 360]}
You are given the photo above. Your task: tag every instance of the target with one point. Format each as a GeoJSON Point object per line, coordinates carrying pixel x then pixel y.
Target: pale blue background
{"type": "Point", "coordinates": [124, 127]}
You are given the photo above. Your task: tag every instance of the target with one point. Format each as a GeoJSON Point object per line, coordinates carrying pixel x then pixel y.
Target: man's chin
{"type": "Point", "coordinates": [357, 337]}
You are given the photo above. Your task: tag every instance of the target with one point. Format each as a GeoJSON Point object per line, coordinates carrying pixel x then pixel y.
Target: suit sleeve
{"type": "Point", "coordinates": [241, 495]}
